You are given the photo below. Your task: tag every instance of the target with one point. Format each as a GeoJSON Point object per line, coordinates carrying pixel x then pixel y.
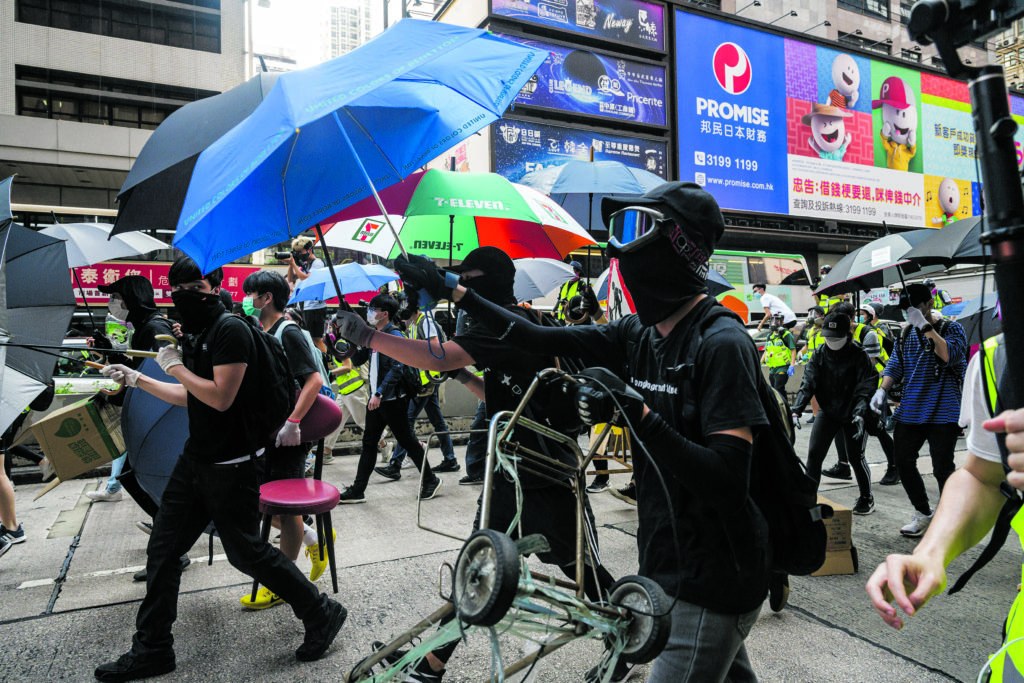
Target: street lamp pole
{"type": "Point", "coordinates": [825, 23]}
{"type": "Point", "coordinates": [791, 13]}
{"type": "Point", "coordinates": [755, 3]}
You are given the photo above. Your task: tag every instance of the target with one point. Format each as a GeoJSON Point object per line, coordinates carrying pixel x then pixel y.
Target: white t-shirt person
{"type": "Point", "coordinates": [974, 411]}
{"type": "Point", "coordinates": [774, 306]}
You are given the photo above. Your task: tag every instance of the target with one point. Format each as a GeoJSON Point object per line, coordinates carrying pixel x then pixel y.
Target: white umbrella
{"type": "Point", "coordinates": [537, 277]}
{"type": "Point", "coordinates": [89, 243]}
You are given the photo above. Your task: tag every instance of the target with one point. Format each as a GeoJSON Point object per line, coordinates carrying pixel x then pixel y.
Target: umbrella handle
{"type": "Point", "coordinates": [100, 366]}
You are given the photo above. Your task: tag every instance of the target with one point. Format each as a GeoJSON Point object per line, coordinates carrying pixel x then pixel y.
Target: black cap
{"type": "Point", "coordinates": [837, 326]}
{"type": "Point", "coordinates": [918, 294]}
{"type": "Point", "coordinates": [688, 204]}
{"type": "Point", "coordinates": [128, 281]}
{"type": "Point", "coordinates": [491, 260]}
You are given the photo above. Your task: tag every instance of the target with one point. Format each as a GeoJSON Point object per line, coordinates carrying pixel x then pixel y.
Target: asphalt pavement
{"type": "Point", "coordinates": [68, 602]}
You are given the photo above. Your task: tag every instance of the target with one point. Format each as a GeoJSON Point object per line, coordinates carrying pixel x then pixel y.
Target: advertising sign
{"type": "Point", "coordinates": [578, 80]}
{"type": "Point", "coordinates": [863, 140]}
{"type": "Point", "coordinates": [628, 21]}
{"type": "Point", "coordinates": [522, 146]}
{"type": "Point", "coordinates": [156, 273]}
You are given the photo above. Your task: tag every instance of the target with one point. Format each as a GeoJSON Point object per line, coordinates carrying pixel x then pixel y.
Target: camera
{"type": "Point", "coordinates": [282, 255]}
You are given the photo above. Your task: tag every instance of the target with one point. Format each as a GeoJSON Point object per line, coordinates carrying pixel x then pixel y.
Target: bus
{"type": "Point", "coordinates": [785, 275]}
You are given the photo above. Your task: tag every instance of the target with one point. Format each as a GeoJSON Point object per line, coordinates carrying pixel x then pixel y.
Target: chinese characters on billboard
{"type": "Point", "coordinates": [628, 21]}
{"type": "Point", "coordinates": [521, 147]}
{"type": "Point", "coordinates": [105, 273]}
{"type": "Point", "coordinates": [578, 80]}
{"type": "Point", "coordinates": [863, 140]}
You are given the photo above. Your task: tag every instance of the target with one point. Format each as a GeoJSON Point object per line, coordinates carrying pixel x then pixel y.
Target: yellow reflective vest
{"type": "Point", "coordinates": [566, 292]}
{"type": "Point", "coordinates": [777, 353]}
{"type": "Point", "coordinates": [347, 382]}
{"type": "Point", "coordinates": [861, 331]}
{"type": "Point", "coordinates": [427, 377]}
{"type": "Point", "coordinates": [826, 302]}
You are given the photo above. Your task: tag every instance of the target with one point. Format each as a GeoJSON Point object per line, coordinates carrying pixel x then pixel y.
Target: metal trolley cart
{"type": "Point", "coordinates": [494, 588]}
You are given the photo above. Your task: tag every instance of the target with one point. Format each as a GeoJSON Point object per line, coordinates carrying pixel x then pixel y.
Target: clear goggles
{"type": "Point", "coordinates": [634, 226]}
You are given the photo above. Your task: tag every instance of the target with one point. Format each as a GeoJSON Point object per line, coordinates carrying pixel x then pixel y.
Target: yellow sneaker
{"type": "Point", "coordinates": [313, 553]}
{"type": "Point", "coordinates": [264, 598]}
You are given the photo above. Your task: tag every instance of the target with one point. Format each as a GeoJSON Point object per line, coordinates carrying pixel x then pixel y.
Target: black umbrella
{"type": "Point", "coordinates": [954, 244]}
{"type": "Point", "coordinates": [155, 189]}
{"type": "Point", "coordinates": [980, 322]}
{"type": "Point", "coordinates": [879, 263]}
{"type": "Point", "coordinates": [35, 310]}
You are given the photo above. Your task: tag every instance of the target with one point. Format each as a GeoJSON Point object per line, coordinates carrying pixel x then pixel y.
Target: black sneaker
{"type": "Point", "coordinates": [351, 495]}
{"type": "Point", "coordinates": [626, 494]}
{"type": "Point", "coordinates": [891, 477]}
{"type": "Point", "coordinates": [865, 505]}
{"type": "Point", "coordinates": [429, 489]}
{"type": "Point", "coordinates": [778, 591]}
{"type": "Point", "coordinates": [621, 672]}
{"type": "Point", "coordinates": [392, 471]}
{"type": "Point", "coordinates": [470, 480]}
{"type": "Point", "coordinates": [5, 545]}
{"type": "Point", "coordinates": [13, 535]}
{"type": "Point", "coordinates": [131, 666]}
{"type": "Point", "coordinates": [422, 673]}
{"type": "Point", "coordinates": [321, 634]}
{"type": "Point", "coordinates": [599, 485]}
{"type": "Point", "coordinates": [838, 471]}
{"type": "Point", "coordinates": [448, 465]}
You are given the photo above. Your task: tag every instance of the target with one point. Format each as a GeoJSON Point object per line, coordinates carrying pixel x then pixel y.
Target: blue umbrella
{"type": "Point", "coordinates": [327, 136]}
{"type": "Point", "coordinates": [352, 277]}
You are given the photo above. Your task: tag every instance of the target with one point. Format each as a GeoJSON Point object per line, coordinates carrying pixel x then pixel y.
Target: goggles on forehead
{"type": "Point", "coordinates": [634, 226]}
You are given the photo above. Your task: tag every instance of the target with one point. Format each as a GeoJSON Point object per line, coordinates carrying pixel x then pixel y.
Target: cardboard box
{"type": "Point", "coordinates": [79, 437]}
{"type": "Point", "coordinates": [839, 528]}
{"type": "Point", "coordinates": [839, 562]}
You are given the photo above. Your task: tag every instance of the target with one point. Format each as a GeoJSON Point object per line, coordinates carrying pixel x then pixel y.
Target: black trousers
{"type": "Point", "coordinates": [874, 426]}
{"type": "Point", "coordinates": [825, 429]}
{"type": "Point", "coordinates": [228, 495]}
{"type": "Point", "coordinates": [393, 414]}
{"type": "Point", "coordinates": [908, 439]}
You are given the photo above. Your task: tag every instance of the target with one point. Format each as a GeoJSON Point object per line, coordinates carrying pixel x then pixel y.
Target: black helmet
{"type": "Point", "coordinates": [825, 270]}
{"type": "Point", "coordinates": [929, 283]}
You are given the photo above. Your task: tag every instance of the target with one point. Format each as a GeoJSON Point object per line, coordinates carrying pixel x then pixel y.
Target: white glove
{"type": "Point", "coordinates": [289, 435]}
{"type": "Point", "coordinates": [168, 357]}
{"type": "Point", "coordinates": [878, 401]}
{"type": "Point", "coordinates": [915, 317]}
{"type": "Point", "coordinates": [122, 374]}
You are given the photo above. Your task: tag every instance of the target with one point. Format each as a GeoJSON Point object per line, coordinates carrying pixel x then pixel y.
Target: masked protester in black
{"type": "Point", "coordinates": [548, 508]}
{"type": "Point", "coordinates": [841, 376]}
{"type": "Point", "coordinates": [717, 562]}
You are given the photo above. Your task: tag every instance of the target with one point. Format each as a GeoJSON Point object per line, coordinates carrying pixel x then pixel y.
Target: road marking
{"type": "Point", "coordinates": [106, 572]}
{"type": "Point", "coordinates": [37, 583]}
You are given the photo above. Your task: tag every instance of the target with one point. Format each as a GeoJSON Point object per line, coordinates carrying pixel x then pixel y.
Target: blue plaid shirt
{"type": "Point", "coordinates": [932, 389]}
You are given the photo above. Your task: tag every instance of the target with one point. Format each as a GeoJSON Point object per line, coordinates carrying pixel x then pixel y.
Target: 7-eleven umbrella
{"type": "Point", "coordinates": [449, 214]}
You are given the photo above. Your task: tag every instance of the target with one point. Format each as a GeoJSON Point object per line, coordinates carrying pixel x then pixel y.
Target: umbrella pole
{"type": "Point", "coordinates": [590, 222]}
{"type": "Point", "coordinates": [330, 266]}
{"type": "Point", "coordinates": [451, 238]}
{"type": "Point", "coordinates": [380, 204]}
{"type": "Point", "coordinates": [85, 300]}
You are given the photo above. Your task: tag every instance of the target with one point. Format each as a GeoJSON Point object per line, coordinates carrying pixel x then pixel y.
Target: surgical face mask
{"type": "Point", "coordinates": [248, 308]}
{"type": "Point", "coordinates": [117, 309]}
{"type": "Point", "coordinates": [373, 316]}
{"type": "Point", "coordinates": [836, 344]}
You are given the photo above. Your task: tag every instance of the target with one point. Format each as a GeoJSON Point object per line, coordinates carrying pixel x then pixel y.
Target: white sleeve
{"type": "Point", "coordinates": [974, 411]}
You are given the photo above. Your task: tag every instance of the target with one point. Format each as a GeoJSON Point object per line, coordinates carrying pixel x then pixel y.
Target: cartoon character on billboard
{"type": "Point", "coordinates": [899, 122]}
{"type": "Point", "coordinates": [846, 78]}
{"type": "Point", "coordinates": [828, 131]}
{"type": "Point", "coordinates": [949, 202]}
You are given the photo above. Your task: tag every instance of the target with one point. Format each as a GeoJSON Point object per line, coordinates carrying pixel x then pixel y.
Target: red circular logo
{"type": "Point", "coordinates": [732, 68]}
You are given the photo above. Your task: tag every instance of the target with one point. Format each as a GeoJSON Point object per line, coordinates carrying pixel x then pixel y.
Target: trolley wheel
{"type": "Point", "coordinates": [486, 577]}
{"type": "Point", "coordinates": [650, 621]}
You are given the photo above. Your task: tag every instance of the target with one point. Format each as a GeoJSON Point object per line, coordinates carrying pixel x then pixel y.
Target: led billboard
{"type": "Point", "coordinates": [772, 124]}
{"type": "Point", "coordinates": [626, 21]}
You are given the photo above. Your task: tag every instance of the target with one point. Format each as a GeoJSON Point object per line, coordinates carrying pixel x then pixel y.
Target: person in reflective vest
{"type": "Point", "coordinates": [812, 334]}
{"type": "Point", "coordinates": [967, 511]}
{"type": "Point", "coordinates": [349, 388]}
{"type": "Point", "coordinates": [940, 297]}
{"type": "Point", "coordinates": [779, 355]}
{"type": "Point", "coordinates": [567, 291]}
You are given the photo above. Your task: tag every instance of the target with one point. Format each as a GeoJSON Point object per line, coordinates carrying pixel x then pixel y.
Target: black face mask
{"type": "Point", "coordinates": [197, 309]}
{"type": "Point", "coordinates": [497, 290]}
{"type": "Point", "coordinates": [658, 280]}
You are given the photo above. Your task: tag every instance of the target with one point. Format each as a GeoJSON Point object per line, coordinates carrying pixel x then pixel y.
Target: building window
{"type": "Point", "coordinates": [879, 46]}
{"type": "Point", "coordinates": [873, 8]}
{"type": "Point", "coordinates": [911, 55]}
{"type": "Point", "coordinates": [905, 6]}
{"type": "Point", "coordinates": [195, 26]}
{"type": "Point", "coordinates": [66, 96]}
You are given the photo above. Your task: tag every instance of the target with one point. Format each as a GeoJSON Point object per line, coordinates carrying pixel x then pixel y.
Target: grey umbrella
{"type": "Point", "coordinates": [979, 320]}
{"type": "Point", "coordinates": [878, 263]}
{"type": "Point", "coordinates": [954, 244]}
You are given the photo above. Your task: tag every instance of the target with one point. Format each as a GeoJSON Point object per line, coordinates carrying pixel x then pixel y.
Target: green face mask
{"type": "Point", "coordinates": [248, 308]}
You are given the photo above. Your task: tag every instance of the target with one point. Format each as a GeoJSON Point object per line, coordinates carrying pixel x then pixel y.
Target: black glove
{"type": "Point", "coordinates": [590, 302]}
{"type": "Point", "coordinates": [602, 394]}
{"type": "Point", "coordinates": [419, 272]}
{"type": "Point", "coordinates": [858, 427]}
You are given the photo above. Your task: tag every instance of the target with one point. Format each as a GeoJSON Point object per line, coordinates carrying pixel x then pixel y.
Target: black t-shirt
{"type": "Point", "coordinates": [300, 362]}
{"type": "Point", "coordinates": [508, 373]}
{"type": "Point", "coordinates": [145, 339]}
{"type": "Point", "coordinates": [216, 436]}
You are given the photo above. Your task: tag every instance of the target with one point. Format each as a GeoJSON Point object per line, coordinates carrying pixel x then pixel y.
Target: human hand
{"type": "Point", "coordinates": [602, 394]}
{"type": "Point", "coordinates": [916, 318]}
{"type": "Point", "coordinates": [122, 374]}
{"type": "Point", "coordinates": [790, 371]}
{"type": "Point", "coordinates": [420, 272]}
{"type": "Point", "coordinates": [374, 403]}
{"type": "Point", "coordinates": [289, 435]}
{"type": "Point", "coordinates": [1011, 422]}
{"type": "Point", "coordinates": [878, 400]}
{"type": "Point", "coordinates": [590, 303]}
{"type": "Point", "coordinates": [168, 357]}
{"type": "Point", "coordinates": [353, 328]}
{"type": "Point", "coordinates": [897, 575]}
{"type": "Point", "coordinates": [176, 328]}
{"type": "Point", "coordinates": [858, 427]}
{"type": "Point", "coordinates": [886, 129]}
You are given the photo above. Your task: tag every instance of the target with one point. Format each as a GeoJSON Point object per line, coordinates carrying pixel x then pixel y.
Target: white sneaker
{"type": "Point", "coordinates": [104, 495]}
{"type": "Point", "coordinates": [47, 469]}
{"type": "Point", "coordinates": [917, 525]}
{"type": "Point", "coordinates": [407, 462]}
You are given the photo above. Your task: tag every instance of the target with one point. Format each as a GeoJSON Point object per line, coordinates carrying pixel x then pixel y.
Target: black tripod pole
{"type": "Point", "coordinates": [330, 266]}
{"type": "Point", "coordinates": [85, 300]}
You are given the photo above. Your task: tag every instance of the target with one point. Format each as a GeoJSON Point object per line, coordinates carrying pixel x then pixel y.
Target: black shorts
{"type": "Point", "coordinates": [315, 320]}
{"type": "Point", "coordinates": [288, 462]}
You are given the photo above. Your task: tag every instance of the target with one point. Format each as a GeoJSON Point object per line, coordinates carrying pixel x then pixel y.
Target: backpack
{"type": "Point", "coordinates": [272, 397]}
{"type": "Point", "coordinates": [318, 356]}
{"type": "Point", "coordinates": [779, 485]}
